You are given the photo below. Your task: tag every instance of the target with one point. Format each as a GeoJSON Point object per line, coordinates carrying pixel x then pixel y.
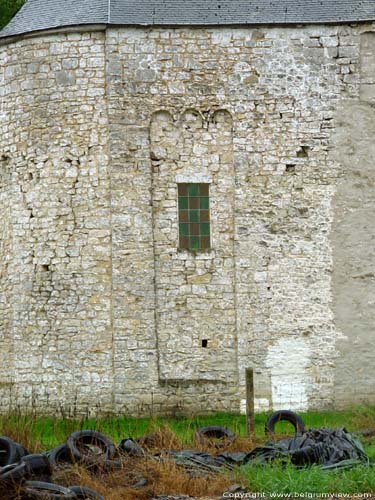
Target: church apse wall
{"type": "Point", "coordinates": [113, 283]}
{"type": "Point", "coordinates": [55, 269]}
{"type": "Point", "coordinates": [280, 88]}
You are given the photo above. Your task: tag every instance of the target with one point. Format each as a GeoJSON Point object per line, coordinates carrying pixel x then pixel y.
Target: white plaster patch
{"type": "Point", "coordinates": [288, 360]}
{"type": "Point", "coordinates": [243, 406]}
{"type": "Point", "coordinates": [260, 404]}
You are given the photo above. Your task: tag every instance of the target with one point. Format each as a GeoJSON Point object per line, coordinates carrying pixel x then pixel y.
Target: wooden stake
{"type": "Point", "coordinates": [250, 427]}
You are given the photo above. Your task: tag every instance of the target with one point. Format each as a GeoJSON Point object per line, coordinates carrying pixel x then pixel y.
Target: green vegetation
{"type": "Point", "coordinates": [8, 8]}
{"type": "Point", "coordinates": [49, 431]}
{"type": "Point", "coordinates": [44, 433]}
{"type": "Point", "coordinates": [287, 479]}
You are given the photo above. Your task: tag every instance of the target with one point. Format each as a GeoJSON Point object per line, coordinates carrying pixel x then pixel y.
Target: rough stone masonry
{"type": "Point", "coordinates": [100, 310]}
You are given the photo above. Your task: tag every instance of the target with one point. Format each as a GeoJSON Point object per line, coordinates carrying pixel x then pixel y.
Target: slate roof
{"type": "Point", "coordinates": [38, 15]}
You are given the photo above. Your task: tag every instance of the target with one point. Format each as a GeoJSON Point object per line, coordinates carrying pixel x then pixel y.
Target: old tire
{"type": "Point", "coordinates": [91, 447]}
{"type": "Point", "coordinates": [46, 491]}
{"type": "Point", "coordinates": [60, 456]}
{"type": "Point", "coordinates": [130, 447]}
{"type": "Point", "coordinates": [14, 473]}
{"type": "Point", "coordinates": [111, 465]}
{"type": "Point", "coordinates": [219, 433]}
{"type": "Point", "coordinates": [10, 451]}
{"type": "Point", "coordinates": [38, 467]}
{"type": "Point", "coordinates": [29, 467]}
{"type": "Point", "coordinates": [83, 493]}
{"type": "Point", "coordinates": [284, 415]}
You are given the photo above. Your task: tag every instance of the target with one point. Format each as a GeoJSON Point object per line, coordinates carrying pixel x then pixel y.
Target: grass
{"type": "Point", "coordinates": [279, 478]}
{"type": "Point", "coordinates": [42, 433]}
{"type": "Point", "coordinates": [48, 432]}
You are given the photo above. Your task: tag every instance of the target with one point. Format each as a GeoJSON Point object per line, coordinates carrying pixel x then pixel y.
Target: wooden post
{"type": "Point", "coordinates": [250, 427]}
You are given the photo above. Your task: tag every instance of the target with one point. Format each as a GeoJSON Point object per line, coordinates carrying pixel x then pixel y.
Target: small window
{"type": "Point", "coordinates": [194, 216]}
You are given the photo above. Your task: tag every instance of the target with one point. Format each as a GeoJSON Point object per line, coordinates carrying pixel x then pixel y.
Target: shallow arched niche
{"type": "Point", "coordinates": [163, 135]}
{"type": "Point", "coordinates": [220, 127]}
{"type": "Point", "coordinates": [221, 118]}
{"type": "Point", "coordinates": [197, 157]}
{"type": "Point", "coordinates": [192, 119]}
{"type": "Point", "coordinates": [161, 125]}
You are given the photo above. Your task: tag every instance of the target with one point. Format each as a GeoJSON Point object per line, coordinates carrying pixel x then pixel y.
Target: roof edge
{"type": "Point", "coordinates": [45, 16]}
{"type": "Point", "coordinates": [78, 28]}
{"type": "Point", "coordinates": [87, 28]}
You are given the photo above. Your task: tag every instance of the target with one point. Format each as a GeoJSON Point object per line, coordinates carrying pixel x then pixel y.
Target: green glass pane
{"type": "Point", "coordinates": [204, 203]}
{"type": "Point", "coordinates": [194, 242]}
{"type": "Point", "coordinates": [183, 203]}
{"type": "Point", "coordinates": [194, 215]}
{"type": "Point", "coordinates": [193, 189]}
{"type": "Point", "coordinates": [205, 229]}
{"type": "Point", "coordinates": [184, 229]}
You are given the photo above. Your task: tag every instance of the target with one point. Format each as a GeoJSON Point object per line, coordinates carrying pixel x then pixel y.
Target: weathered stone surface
{"type": "Point", "coordinates": [353, 236]}
{"type": "Point", "coordinates": [99, 310]}
{"type": "Point", "coordinates": [55, 271]}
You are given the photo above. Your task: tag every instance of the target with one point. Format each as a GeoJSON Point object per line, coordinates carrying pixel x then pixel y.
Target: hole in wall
{"type": "Point", "coordinates": [290, 169]}
{"type": "Point", "coordinates": [154, 156]}
{"type": "Point", "coordinates": [204, 343]}
{"type": "Point", "coordinates": [45, 267]}
{"type": "Point", "coordinates": [303, 152]}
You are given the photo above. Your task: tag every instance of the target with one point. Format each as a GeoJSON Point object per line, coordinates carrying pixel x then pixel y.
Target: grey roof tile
{"type": "Point", "coordinates": [216, 12]}
{"type": "Point", "coordinates": [38, 15]}
{"type": "Point", "coordinates": [46, 14]}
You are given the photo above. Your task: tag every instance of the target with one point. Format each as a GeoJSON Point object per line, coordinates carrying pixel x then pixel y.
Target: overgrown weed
{"type": "Point", "coordinates": [163, 476]}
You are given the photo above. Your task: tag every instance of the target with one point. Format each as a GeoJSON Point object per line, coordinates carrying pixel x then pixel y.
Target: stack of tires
{"type": "Point", "coordinates": [31, 474]}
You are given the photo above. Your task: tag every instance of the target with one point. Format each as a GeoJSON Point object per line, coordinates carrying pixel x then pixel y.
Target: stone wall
{"type": "Point", "coordinates": [97, 130]}
{"type": "Point", "coordinates": [353, 236]}
{"type": "Point", "coordinates": [6, 296]}
{"type": "Point", "coordinates": [280, 87]}
{"type": "Point", "coordinates": [57, 267]}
